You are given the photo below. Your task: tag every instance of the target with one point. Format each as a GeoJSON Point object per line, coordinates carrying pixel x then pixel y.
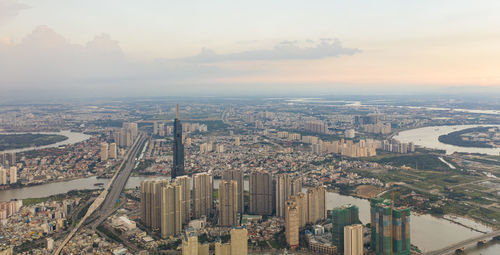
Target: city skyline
{"type": "Point", "coordinates": [330, 127]}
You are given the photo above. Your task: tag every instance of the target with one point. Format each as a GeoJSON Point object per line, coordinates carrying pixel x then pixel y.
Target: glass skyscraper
{"type": "Point", "coordinates": [178, 148]}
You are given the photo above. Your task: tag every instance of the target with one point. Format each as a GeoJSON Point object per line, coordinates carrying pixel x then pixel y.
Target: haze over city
{"type": "Point", "coordinates": [249, 127]}
{"type": "Point", "coordinates": [130, 48]}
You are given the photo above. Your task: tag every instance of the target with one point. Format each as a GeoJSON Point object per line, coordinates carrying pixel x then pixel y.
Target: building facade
{"type": "Point", "coordinates": [178, 147]}
{"type": "Point", "coordinates": [261, 193]}
{"type": "Point", "coordinates": [237, 175]}
{"type": "Point", "coordinates": [342, 217]}
{"type": "Point", "coordinates": [390, 228]}
{"type": "Point", "coordinates": [228, 203]}
{"type": "Point", "coordinates": [316, 204]}
{"type": "Point", "coordinates": [202, 194]}
{"type": "Point", "coordinates": [292, 224]}
{"type": "Point", "coordinates": [285, 187]}
{"type": "Point", "coordinates": [353, 239]}
{"type": "Point", "coordinates": [185, 183]}
{"type": "Point", "coordinates": [171, 210]}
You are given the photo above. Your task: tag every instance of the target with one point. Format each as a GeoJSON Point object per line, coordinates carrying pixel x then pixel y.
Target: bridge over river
{"type": "Point", "coordinates": [450, 249]}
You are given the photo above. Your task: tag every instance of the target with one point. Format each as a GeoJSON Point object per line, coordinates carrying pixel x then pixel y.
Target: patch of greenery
{"type": "Point", "coordinates": [143, 165]}
{"type": "Point", "coordinates": [214, 125]}
{"type": "Point", "coordinates": [57, 197]}
{"type": "Point", "coordinates": [34, 201]}
{"type": "Point", "coordinates": [108, 233]}
{"type": "Point", "coordinates": [29, 245]}
{"type": "Point", "coordinates": [279, 240]}
{"type": "Point", "coordinates": [16, 141]}
{"type": "Point", "coordinates": [416, 161]}
{"type": "Point", "coordinates": [107, 123]}
{"type": "Point", "coordinates": [455, 138]}
{"type": "Point", "coordinates": [170, 246]}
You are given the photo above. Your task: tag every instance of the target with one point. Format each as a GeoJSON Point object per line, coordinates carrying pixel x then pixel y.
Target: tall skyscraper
{"type": "Point", "coordinates": [104, 151]}
{"type": "Point", "coordinates": [146, 203]}
{"type": "Point", "coordinates": [228, 203]}
{"type": "Point", "coordinates": [156, 193]}
{"type": "Point", "coordinates": [151, 202]}
{"type": "Point", "coordinates": [189, 243]}
{"type": "Point", "coordinates": [171, 210]}
{"type": "Point", "coordinates": [127, 134]}
{"type": "Point", "coordinates": [390, 228]}
{"type": "Point", "coordinates": [3, 176]}
{"type": "Point", "coordinates": [222, 248]}
{"type": "Point", "coordinates": [3, 159]}
{"type": "Point", "coordinates": [237, 175]}
{"type": "Point", "coordinates": [112, 151]}
{"type": "Point", "coordinates": [316, 204]}
{"type": "Point", "coordinates": [301, 202]}
{"type": "Point", "coordinates": [239, 241]}
{"type": "Point", "coordinates": [13, 175]}
{"type": "Point", "coordinates": [353, 239]}
{"type": "Point", "coordinates": [12, 159]}
{"type": "Point", "coordinates": [285, 187]}
{"type": "Point", "coordinates": [178, 147]}
{"type": "Point", "coordinates": [185, 183]}
{"type": "Point", "coordinates": [202, 194]}
{"type": "Point", "coordinates": [292, 222]}
{"type": "Point", "coordinates": [261, 193]}
{"type": "Point", "coordinates": [341, 217]}
{"type": "Point", "coordinates": [8, 159]}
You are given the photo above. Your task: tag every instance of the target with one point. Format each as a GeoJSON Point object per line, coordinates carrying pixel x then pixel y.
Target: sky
{"type": "Point", "coordinates": [126, 47]}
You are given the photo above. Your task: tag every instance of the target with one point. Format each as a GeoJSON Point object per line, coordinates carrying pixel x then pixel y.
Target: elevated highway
{"type": "Point", "coordinates": [110, 193]}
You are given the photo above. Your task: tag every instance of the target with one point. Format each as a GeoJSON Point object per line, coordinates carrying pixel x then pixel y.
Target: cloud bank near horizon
{"type": "Point", "coordinates": [46, 60]}
{"type": "Point", "coordinates": [10, 9]}
{"type": "Point", "coordinates": [285, 50]}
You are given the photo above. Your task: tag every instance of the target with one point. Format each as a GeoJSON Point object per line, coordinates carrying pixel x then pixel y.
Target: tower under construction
{"type": "Point", "coordinates": [390, 228]}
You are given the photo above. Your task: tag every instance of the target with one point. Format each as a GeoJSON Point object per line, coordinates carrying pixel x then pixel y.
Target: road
{"type": "Point", "coordinates": [450, 249]}
{"type": "Point", "coordinates": [108, 205]}
{"type": "Point", "coordinates": [112, 188]}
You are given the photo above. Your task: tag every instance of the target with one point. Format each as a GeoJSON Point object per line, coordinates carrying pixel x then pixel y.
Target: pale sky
{"type": "Point", "coordinates": [164, 46]}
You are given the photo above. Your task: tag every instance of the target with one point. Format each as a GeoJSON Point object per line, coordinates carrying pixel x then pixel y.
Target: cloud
{"type": "Point", "coordinates": [46, 61]}
{"type": "Point", "coordinates": [10, 9]}
{"type": "Point", "coordinates": [45, 55]}
{"type": "Point", "coordinates": [285, 50]}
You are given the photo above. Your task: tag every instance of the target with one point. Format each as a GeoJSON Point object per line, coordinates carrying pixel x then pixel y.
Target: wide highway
{"type": "Point", "coordinates": [117, 186]}
{"type": "Point", "coordinates": [110, 194]}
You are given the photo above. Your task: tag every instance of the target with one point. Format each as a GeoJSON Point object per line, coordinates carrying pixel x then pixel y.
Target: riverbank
{"type": "Point", "coordinates": [21, 141]}
{"type": "Point", "coordinates": [73, 137]}
{"type": "Point", "coordinates": [456, 138]}
{"type": "Point", "coordinates": [428, 137]}
{"type": "Point", "coordinates": [468, 223]}
{"type": "Point", "coordinates": [21, 186]}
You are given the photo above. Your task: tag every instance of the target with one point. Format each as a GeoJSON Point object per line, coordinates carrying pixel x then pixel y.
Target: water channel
{"type": "Point", "coordinates": [73, 137]}
{"type": "Point", "coordinates": [428, 137]}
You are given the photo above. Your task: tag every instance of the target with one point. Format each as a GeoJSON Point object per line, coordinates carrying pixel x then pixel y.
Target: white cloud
{"type": "Point", "coordinates": [285, 50]}
{"type": "Point", "coordinates": [10, 9]}
{"type": "Point", "coordinates": [45, 61]}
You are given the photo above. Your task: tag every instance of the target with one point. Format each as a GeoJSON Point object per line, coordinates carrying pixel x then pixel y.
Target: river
{"type": "Point", "coordinates": [73, 137]}
{"type": "Point", "coordinates": [428, 137]}
{"type": "Point", "coordinates": [427, 232]}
